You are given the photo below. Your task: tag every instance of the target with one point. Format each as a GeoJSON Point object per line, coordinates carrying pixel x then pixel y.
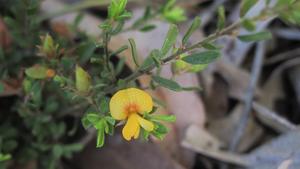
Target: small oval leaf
{"type": "Point", "coordinates": [147, 28]}
{"type": "Point", "coordinates": [264, 35]}
{"type": "Point", "coordinates": [170, 84]}
{"type": "Point", "coordinates": [83, 80]}
{"type": "Point", "coordinates": [37, 72]}
{"type": "Point", "coordinates": [202, 57]}
{"type": "Point", "coordinates": [133, 52]}
{"type": "Point", "coordinates": [194, 26]}
{"type": "Point", "coordinates": [246, 6]}
{"type": "Point", "coordinates": [221, 18]}
{"type": "Point", "coordinates": [170, 39]}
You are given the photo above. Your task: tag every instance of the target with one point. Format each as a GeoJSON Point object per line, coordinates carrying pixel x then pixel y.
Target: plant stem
{"type": "Point", "coordinates": [107, 55]}
{"type": "Point", "coordinates": [226, 31]}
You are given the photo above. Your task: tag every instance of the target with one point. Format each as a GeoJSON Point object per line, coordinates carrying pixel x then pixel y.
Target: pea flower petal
{"type": "Point", "coordinates": [131, 127]}
{"type": "Point", "coordinates": [130, 104]}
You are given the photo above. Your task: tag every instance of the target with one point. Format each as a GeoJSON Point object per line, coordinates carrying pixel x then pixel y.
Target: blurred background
{"type": "Point", "coordinates": [245, 116]}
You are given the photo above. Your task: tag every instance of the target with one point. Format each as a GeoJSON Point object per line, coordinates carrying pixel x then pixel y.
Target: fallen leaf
{"type": "Point", "coordinates": [5, 39]}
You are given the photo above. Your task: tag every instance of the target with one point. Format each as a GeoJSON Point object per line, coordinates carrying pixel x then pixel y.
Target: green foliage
{"type": "Point", "coordinates": [221, 18]}
{"type": "Point", "coordinates": [289, 11]}
{"type": "Point", "coordinates": [194, 26]}
{"type": "Point", "coordinates": [172, 13]}
{"type": "Point", "coordinates": [116, 10]}
{"type": "Point", "coordinates": [264, 35]}
{"type": "Point", "coordinates": [246, 6]}
{"type": "Point", "coordinates": [4, 157]}
{"type": "Point", "coordinates": [134, 52]}
{"type": "Point", "coordinates": [170, 40]}
{"type": "Point", "coordinates": [37, 72]}
{"type": "Point", "coordinates": [202, 57]}
{"type": "Point", "coordinates": [170, 84]}
{"type": "Point", "coordinates": [83, 80]}
{"type": "Point", "coordinates": [1, 87]}
{"type": "Point", "coordinates": [249, 24]}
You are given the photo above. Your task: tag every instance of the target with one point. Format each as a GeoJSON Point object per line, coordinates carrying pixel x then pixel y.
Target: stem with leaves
{"type": "Point", "coordinates": [139, 72]}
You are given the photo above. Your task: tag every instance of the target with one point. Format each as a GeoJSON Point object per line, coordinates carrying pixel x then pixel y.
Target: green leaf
{"type": "Point", "coordinates": [259, 36]}
{"type": "Point", "coordinates": [134, 52]}
{"type": "Point", "coordinates": [170, 39]}
{"type": "Point", "coordinates": [202, 57]}
{"type": "Point", "coordinates": [210, 46]}
{"type": "Point", "coordinates": [57, 151]}
{"type": "Point", "coordinates": [192, 88]}
{"type": "Point", "coordinates": [104, 104]}
{"type": "Point", "coordinates": [1, 87]}
{"type": "Point", "coordinates": [145, 135]}
{"type": "Point", "coordinates": [110, 120]}
{"type": "Point", "coordinates": [100, 136]}
{"type": "Point", "coordinates": [148, 28]}
{"type": "Point", "coordinates": [120, 50]}
{"type": "Point", "coordinates": [149, 60]}
{"type": "Point", "coordinates": [160, 128]}
{"type": "Point", "coordinates": [37, 72]}
{"type": "Point", "coordinates": [170, 84]}
{"type": "Point", "coordinates": [4, 157]}
{"type": "Point", "coordinates": [83, 80]}
{"type": "Point", "coordinates": [120, 66]}
{"type": "Point", "coordinates": [73, 147]}
{"type": "Point", "coordinates": [221, 18]}
{"type": "Point", "coordinates": [156, 60]}
{"type": "Point", "coordinates": [123, 16]}
{"type": "Point", "coordinates": [118, 28]}
{"type": "Point", "coordinates": [161, 117]}
{"type": "Point", "coordinates": [246, 6]}
{"type": "Point", "coordinates": [116, 8]}
{"type": "Point", "coordinates": [194, 26]}
{"type": "Point", "coordinates": [249, 24]}
{"type": "Point", "coordinates": [85, 122]}
{"type": "Point", "coordinates": [172, 13]}
{"type": "Point", "coordinates": [93, 118]}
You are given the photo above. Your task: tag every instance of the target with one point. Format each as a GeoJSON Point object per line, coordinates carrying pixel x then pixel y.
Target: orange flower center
{"type": "Point", "coordinates": [131, 108]}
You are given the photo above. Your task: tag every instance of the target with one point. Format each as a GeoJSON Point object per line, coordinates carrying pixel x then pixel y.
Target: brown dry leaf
{"type": "Point", "coordinates": [62, 29]}
{"type": "Point", "coordinates": [273, 88]}
{"type": "Point", "coordinates": [5, 39]}
{"type": "Point", "coordinates": [236, 78]}
{"type": "Point", "coordinates": [11, 87]}
{"type": "Point", "coordinates": [202, 142]}
{"type": "Point", "coordinates": [223, 129]}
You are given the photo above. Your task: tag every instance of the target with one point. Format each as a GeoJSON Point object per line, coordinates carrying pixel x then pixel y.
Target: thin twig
{"type": "Point", "coordinates": [283, 56]}
{"type": "Point", "coordinates": [241, 126]}
{"type": "Point", "coordinates": [256, 70]}
{"type": "Point", "coordinates": [272, 119]}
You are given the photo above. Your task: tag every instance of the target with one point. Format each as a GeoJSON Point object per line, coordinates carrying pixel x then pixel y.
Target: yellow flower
{"type": "Point", "coordinates": [130, 104]}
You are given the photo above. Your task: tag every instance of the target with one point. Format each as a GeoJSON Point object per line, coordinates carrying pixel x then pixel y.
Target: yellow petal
{"type": "Point", "coordinates": [146, 124]}
{"type": "Point", "coordinates": [137, 133]}
{"type": "Point", "coordinates": [118, 104]}
{"type": "Point", "coordinates": [132, 96]}
{"type": "Point", "coordinates": [131, 127]}
{"type": "Point", "coordinates": [140, 98]}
